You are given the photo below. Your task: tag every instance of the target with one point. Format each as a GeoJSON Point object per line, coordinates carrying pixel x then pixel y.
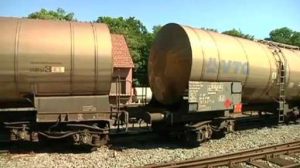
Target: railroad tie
{"type": "Point", "coordinates": [259, 164]}
{"type": "Point", "coordinates": [237, 166]}
{"type": "Point", "coordinates": [280, 161]}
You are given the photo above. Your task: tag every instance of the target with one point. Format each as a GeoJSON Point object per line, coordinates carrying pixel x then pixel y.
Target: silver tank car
{"type": "Point", "coordinates": [180, 54]}
{"type": "Point", "coordinates": [54, 58]}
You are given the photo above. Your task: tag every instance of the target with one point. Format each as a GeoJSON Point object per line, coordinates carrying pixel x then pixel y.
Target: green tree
{"type": "Point", "coordinates": [281, 35]}
{"type": "Point", "coordinates": [59, 14]}
{"type": "Point", "coordinates": [156, 29]}
{"type": "Point", "coordinates": [209, 29]}
{"type": "Point", "coordinates": [151, 36]}
{"type": "Point", "coordinates": [295, 39]}
{"type": "Point", "coordinates": [138, 39]}
{"type": "Point", "coordinates": [285, 35]}
{"type": "Point", "coordinates": [238, 33]}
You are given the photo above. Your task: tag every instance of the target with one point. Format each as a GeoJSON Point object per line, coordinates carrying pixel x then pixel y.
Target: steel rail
{"type": "Point", "coordinates": [4, 151]}
{"type": "Point", "coordinates": [237, 157]}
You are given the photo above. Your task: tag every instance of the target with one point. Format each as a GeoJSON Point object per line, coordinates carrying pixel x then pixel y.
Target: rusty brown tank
{"type": "Point", "coordinates": [54, 58]}
{"type": "Point", "coordinates": [181, 53]}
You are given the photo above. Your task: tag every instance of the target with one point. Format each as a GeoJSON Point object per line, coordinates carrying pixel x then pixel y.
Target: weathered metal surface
{"type": "Point", "coordinates": [213, 96]}
{"type": "Point", "coordinates": [72, 108]}
{"type": "Point", "coordinates": [54, 58]}
{"type": "Point", "coordinates": [181, 53]}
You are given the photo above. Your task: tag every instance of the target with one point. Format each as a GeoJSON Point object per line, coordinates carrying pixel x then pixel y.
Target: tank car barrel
{"type": "Point", "coordinates": [181, 53]}
{"type": "Point", "coordinates": [54, 58]}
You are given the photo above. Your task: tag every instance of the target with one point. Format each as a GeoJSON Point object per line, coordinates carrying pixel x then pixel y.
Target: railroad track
{"type": "Point", "coordinates": [255, 157]}
{"type": "Point", "coordinates": [4, 151]}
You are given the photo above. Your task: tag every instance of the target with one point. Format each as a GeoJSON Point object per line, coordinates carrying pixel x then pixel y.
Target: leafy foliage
{"type": "Point", "coordinates": [238, 33]}
{"type": "Point", "coordinates": [295, 39]}
{"type": "Point", "coordinates": [139, 41]}
{"type": "Point", "coordinates": [59, 14]}
{"type": "Point", "coordinates": [285, 35]}
{"type": "Point", "coordinates": [151, 36]}
{"type": "Point", "coordinates": [209, 29]}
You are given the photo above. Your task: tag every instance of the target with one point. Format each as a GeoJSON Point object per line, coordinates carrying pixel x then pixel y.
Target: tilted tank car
{"type": "Point", "coordinates": [203, 75]}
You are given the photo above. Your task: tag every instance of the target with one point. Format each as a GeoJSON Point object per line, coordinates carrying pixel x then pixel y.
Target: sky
{"type": "Point", "coordinates": [254, 17]}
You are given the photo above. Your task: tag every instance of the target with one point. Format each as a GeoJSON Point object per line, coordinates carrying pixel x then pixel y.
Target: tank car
{"type": "Point", "coordinates": [204, 79]}
{"type": "Point", "coordinates": [55, 79]}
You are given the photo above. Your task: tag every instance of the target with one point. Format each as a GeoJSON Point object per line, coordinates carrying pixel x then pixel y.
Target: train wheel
{"type": "Point", "coordinates": [198, 135]}
{"type": "Point", "coordinates": [229, 126]}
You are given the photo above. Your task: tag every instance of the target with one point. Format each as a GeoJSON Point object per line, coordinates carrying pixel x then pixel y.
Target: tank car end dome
{"type": "Point", "coordinates": [169, 64]}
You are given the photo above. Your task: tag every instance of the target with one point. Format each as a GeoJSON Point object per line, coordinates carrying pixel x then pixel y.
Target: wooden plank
{"type": "Point", "coordinates": [259, 164]}
{"type": "Point", "coordinates": [280, 161]}
{"type": "Point", "coordinates": [236, 166]}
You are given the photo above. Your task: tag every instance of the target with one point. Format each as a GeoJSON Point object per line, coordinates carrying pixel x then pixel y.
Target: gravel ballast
{"type": "Point", "coordinates": [154, 152]}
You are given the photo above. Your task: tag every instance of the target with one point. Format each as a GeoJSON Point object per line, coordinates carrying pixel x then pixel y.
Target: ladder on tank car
{"type": "Point", "coordinates": [281, 82]}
